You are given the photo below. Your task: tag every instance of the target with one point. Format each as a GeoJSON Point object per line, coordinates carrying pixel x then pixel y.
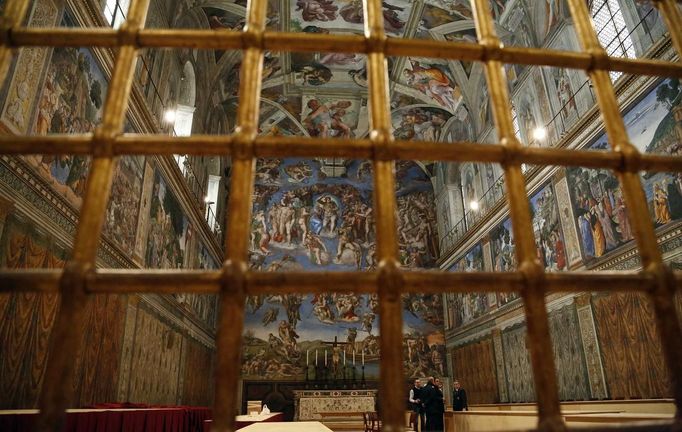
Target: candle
{"type": "Point", "coordinates": [353, 357]}
{"type": "Point", "coordinates": [363, 357]}
{"type": "Point", "coordinates": [307, 357]}
{"type": "Point", "coordinates": [344, 358]}
{"type": "Point", "coordinates": [325, 358]}
{"type": "Point", "coordinates": [315, 357]}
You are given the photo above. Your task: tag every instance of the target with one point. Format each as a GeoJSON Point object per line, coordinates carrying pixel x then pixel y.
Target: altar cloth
{"type": "Point", "coordinates": [310, 403]}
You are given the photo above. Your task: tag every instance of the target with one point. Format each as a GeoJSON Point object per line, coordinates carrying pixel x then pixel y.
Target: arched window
{"type": "Point", "coordinates": [184, 115]}
{"type": "Point", "coordinates": [612, 32]}
{"type": "Point", "coordinates": [115, 11]}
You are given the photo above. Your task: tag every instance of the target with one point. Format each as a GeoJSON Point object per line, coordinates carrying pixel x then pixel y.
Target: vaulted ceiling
{"type": "Point", "coordinates": [325, 94]}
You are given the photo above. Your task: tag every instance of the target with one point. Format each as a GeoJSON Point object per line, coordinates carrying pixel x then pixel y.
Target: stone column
{"type": "Point", "coordinates": [499, 365]}
{"type": "Point", "coordinates": [588, 336]}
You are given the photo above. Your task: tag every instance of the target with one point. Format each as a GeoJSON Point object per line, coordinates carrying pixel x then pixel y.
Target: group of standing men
{"type": "Point", "coordinates": [428, 405]}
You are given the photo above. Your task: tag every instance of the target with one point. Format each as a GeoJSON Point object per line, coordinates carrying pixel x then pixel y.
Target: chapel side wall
{"type": "Point", "coordinates": [37, 230]}
{"type": "Point", "coordinates": [587, 335]}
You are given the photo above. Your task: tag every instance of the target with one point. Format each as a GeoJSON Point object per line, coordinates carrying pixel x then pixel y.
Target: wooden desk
{"type": "Point", "coordinates": [243, 421]}
{"type": "Point", "coordinates": [287, 427]}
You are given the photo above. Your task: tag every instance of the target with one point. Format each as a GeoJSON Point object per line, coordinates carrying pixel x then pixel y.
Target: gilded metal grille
{"type": "Point", "coordinates": [234, 281]}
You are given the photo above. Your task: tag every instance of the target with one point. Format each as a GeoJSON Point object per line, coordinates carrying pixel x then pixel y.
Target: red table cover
{"type": "Point", "coordinates": [128, 418]}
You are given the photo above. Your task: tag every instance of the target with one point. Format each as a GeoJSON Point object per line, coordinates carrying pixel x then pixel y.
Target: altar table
{"type": "Point", "coordinates": [310, 403]}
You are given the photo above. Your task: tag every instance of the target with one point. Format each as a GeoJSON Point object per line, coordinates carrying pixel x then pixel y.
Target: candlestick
{"type": "Point", "coordinates": [344, 358]}
{"type": "Point", "coordinates": [353, 357]}
{"type": "Point", "coordinates": [315, 358]}
{"type": "Point", "coordinates": [307, 357]}
{"type": "Point", "coordinates": [363, 357]}
{"type": "Point", "coordinates": [325, 358]}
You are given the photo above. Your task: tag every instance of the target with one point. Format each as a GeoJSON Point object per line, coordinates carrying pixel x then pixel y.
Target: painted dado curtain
{"type": "Point", "coordinates": [25, 323]}
{"type": "Point", "coordinates": [23, 252]}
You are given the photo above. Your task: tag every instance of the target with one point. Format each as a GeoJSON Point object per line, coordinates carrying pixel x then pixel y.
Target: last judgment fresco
{"type": "Point", "coordinates": [318, 215]}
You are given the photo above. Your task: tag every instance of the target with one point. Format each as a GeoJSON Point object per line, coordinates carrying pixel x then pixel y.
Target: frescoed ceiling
{"type": "Point", "coordinates": [325, 94]}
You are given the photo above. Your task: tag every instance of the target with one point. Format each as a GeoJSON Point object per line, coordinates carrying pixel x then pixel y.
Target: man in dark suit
{"type": "Point", "coordinates": [434, 406]}
{"type": "Point", "coordinates": [459, 398]}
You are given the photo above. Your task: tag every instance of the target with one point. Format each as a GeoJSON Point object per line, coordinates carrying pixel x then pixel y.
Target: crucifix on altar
{"type": "Point", "coordinates": [338, 366]}
{"type": "Point", "coordinates": [336, 355]}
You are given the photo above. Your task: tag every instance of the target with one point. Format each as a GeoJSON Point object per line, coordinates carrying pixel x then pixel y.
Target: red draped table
{"type": "Point", "coordinates": [115, 418]}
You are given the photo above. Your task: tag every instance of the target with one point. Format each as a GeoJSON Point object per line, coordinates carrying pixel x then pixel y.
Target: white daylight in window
{"type": "Point", "coordinates": [181, 160]}
{"type": "Point", "coordinates": [115, 12]}
{"type": "Point", "coordinates": [184, 115]}
{"type": "Point", "coordinates": [611, 30]}
{"type": "Point", "coordinates": [211, 199]}
{"type": "Point", "coordinates": [515, 121]}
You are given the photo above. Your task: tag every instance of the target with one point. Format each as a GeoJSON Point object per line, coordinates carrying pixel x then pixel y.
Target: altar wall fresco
{"type": "Point", "coordinates": [317, 215]}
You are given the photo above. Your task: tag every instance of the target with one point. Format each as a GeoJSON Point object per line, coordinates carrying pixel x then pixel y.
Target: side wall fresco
{"type": "Point", "coordinates": [592, 206]}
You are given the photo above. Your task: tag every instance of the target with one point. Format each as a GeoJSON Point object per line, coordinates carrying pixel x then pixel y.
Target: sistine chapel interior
{"type": "Point", "coordinates": [317, 356]}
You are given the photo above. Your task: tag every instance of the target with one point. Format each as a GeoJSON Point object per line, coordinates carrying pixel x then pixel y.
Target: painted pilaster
{"type": "Point", "coordinates": [6, 207]}
{"type": "Point", "coordinates": [567, 219]}
{"type": "Point", "coordinates": [488, 266]}
{"type": "Point", "coordinates": [588, 335]}
{"type": "Point", "coordinates": [143, 218]}
{"type": "Point", "coordinates": [127, 349]}
{"type": "Point", "coordinates": [499, 365]}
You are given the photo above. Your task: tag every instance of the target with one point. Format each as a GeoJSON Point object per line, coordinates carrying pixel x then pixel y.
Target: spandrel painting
{"type": "Point", "coordinates": [432, 81]}
{"type": "Point", "coordinates": [169, 229]}
{"type": "Point", "coordinates": [419, 122]}
{"type": "Point", "coordinates": [654, 125]}
{"type": "Point", "coordinates": [71, 102]}
{"type": "Point", "coordinates": [464, 308]}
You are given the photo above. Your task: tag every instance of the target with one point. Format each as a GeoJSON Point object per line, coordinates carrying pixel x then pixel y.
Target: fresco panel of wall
{"type": "Point", "coordinates": [654, 125]}
{"type": "Point", "coordinates": [317, 215]}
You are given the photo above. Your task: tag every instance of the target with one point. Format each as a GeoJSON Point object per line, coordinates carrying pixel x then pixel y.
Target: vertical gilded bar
{"type": "Point", "coordinates": [230, 327]}
{"type": "Point", "coordinates": [390, 307]}
{"type": "Point", "coordinates": [544, 370]}
{"type": "Point", "coordinates": [65, 339]}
